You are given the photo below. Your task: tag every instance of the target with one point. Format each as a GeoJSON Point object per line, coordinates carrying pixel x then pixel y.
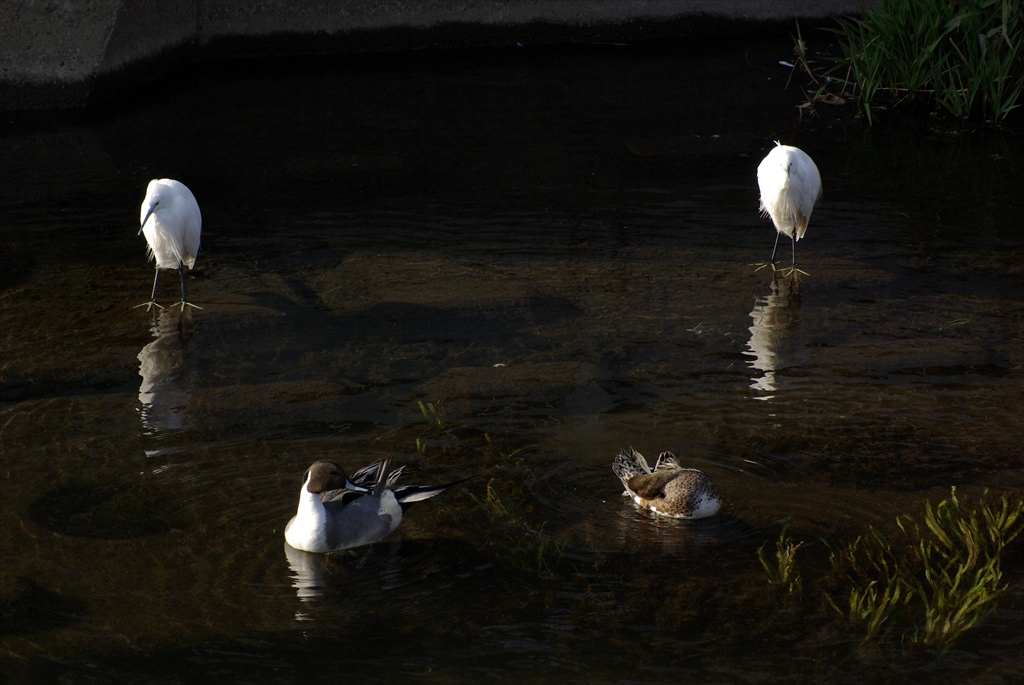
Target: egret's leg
{"type": "Point", "coordinates": [772, 260]}
{"type": "Point", "coordinates": [152, 298]}
{"type": "Point", "coordinates": [774, 249]}
{"type": "Point", "coordinates": [184, 300]}
{"type": "Point", "coordinates": [793, 270]}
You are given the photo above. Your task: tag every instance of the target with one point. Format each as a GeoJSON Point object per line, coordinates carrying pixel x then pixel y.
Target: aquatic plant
{"type": "Point", "coordinates": [876, 585]}
{"type": "Point", "coordinates": [949, 569]}
{"type": "Point", "coordinates": [520, 543]}
{"type": "Point", "coordinates": [433, 412]}
{"type": "Point", "coordinates": [961, 56]}
{"type": "Point", "coordinates": [506, 456]}
{"type": "Point", "coordinates": [782, 570]}
{"type": "Point", "coordinates": [962, 564]}
{"type": "Point", "coordinates": [439, 427]}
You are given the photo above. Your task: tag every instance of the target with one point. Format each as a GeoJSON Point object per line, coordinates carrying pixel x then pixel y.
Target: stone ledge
{"type": "Point", "coordinates": [53, 54]}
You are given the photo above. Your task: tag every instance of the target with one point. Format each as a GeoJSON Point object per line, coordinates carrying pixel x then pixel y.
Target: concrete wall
{"type": "Point", "coordinates": [60, 53]}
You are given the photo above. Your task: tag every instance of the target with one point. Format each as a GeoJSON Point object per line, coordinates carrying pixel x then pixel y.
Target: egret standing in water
{"type": "Point", "coordinates": [171, 222]}
{"type": "Point", "coordinates": [790, 187]}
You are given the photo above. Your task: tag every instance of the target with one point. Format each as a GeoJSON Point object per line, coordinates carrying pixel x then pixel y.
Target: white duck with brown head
{"type": "Point", "coordinates": [336, 513]}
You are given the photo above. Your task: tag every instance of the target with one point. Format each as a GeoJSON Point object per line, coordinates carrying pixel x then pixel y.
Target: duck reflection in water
{"type": "Point", "coordinates": [316, 574]}
{"type": "Point", "coordinates": [168, 371]}
{"type": "Point", "coordinates": [331, 580]}
{"type": "Point", "coordinates": [773, 344]}
{"type": "Point", "coordinates": [310, 575]}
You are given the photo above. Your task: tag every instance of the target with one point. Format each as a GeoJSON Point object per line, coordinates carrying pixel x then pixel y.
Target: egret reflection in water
{"type": "Point", "coordinates": [168, 371]}
{"type": "Point", "coordinates": [773, 340]}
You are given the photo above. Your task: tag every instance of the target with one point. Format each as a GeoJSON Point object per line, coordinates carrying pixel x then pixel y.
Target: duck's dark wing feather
{"type": "Point", "coordinates": [340, 497]}
{"type": "Point", "coordinates": [367, 476]}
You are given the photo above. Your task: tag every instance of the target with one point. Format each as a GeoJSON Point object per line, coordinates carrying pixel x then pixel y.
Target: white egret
{"type": "Point", "coordinates": [790, 187]}
{"type": "Point", "coordinates": [171, 222]}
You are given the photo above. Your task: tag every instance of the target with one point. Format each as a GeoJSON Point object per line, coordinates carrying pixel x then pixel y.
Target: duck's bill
{"type": "Point", "coordinates": [349, 485]}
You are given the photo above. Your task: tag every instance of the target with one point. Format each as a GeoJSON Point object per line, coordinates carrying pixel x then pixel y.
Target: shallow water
{"type": "Point", "coordinates": [558, 249]}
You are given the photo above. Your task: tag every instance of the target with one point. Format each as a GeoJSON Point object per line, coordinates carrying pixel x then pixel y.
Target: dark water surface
{"type": "Point", "coordinates": [554, 248]}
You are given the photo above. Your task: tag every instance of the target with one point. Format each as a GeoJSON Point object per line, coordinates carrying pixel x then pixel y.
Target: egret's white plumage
{"type": "Point", "coordinates": [171, 221]}
{"type": "Point", "coordinates": [790, 187]}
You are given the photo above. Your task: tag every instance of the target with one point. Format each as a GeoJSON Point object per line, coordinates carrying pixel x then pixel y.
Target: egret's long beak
{"type": "Point", "coordinates": [151, 210]}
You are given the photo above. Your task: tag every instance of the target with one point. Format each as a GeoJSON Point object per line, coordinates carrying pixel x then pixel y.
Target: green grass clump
{"type": "Point", "coordinates": [519, 543]}
{"type": "Point", "coordinates": [439, 427]}
{"type": "Point", "coordinates": [434, 413]}
{"type": "Point", "coordinates": [962, 564]}
{"type": "Point", "coordinates": [947, 570]}
{"type": "Point", "coordinates": [782, 570]}
{"type": "Point", "coordinates": [876, 585]}
{"type": "Point", "coordinates": [962, 56]}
